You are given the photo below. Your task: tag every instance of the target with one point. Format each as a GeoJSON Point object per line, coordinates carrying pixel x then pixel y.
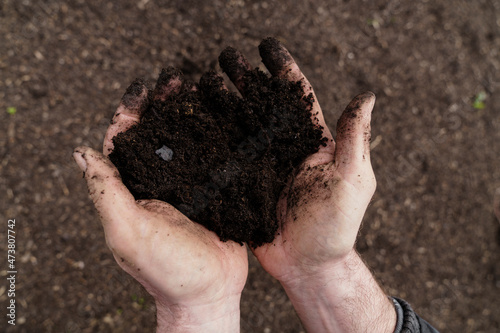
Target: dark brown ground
{"type": "Point", "coordinates": [221, 159]}
{"type": "Point", "coordinates": [429, 234]}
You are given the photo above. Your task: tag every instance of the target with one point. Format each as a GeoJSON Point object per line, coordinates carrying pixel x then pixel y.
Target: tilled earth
{"type": "Point", "coordinates": [429, 235]}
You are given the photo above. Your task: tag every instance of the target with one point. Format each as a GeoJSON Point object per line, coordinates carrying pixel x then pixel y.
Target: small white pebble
{"type": "Point", "coordinates": [165, 153]}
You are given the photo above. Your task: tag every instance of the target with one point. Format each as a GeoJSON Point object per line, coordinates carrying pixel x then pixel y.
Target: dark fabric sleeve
{"type": "Point", "coordinates": [408, 321]}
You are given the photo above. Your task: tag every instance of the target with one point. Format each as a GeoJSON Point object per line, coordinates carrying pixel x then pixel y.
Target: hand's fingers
{"type": "Point", "coordinates": [169, 83]}
{"type": "Point", "coordinates": [280, 63]}
{"type": "Point", "coordinates": [353, 136]}
{"type": "Point", "coordinates": [115, 204]}
{"type": "Point", "coordinates": [278, 60]}
{"type": "Point", "coordinates": [129, 112]}
{"type": "Point", "coordinates": [235, 65]}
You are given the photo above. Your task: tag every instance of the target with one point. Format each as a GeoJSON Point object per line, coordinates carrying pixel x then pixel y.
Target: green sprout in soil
{"type": "Point", "coordinates": [11, 110]}
{"type": "Point", "coordinates": [479, 100]}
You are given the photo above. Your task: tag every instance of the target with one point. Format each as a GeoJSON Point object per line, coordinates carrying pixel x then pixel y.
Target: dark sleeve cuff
{"type": "Point", "coordinates": [408, 321]}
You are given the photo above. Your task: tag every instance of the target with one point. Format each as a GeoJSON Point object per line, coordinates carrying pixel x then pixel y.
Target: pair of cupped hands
{"type": "Point", "coordinates": [196, 279]}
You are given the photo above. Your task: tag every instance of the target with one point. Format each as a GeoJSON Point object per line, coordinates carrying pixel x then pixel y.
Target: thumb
{"type": "Point", "coordinates": [352, 153]}
{"type": "Point", "coordinates": [111, 198]}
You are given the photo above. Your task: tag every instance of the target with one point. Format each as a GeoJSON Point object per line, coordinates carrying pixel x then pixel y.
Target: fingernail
{"type": "Point", "coordinates": [80, 161]}
{"type": "Point", "coordinates": [358, 101]}
{"type": "Point", "coordinates": [368, 96]}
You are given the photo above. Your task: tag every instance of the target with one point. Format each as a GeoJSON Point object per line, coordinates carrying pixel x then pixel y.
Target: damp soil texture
{"type": "Point", "coordinates": [219, 158]}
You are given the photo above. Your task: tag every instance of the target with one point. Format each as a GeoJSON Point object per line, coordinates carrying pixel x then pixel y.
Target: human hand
{"type": "Point", "coordinates": [319, 214]}
{"type": "Point", "coordinates": [195, 279]}
{"type": "Point", "coordinates": [320, 211]}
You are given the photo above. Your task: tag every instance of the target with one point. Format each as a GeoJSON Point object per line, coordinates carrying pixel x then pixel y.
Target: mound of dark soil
{"type": "Point", "coordinates": [220, 159]}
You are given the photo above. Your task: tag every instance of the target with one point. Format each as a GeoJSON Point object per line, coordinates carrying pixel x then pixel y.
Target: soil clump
{"type": "Point", "coordinates": [219, 158]}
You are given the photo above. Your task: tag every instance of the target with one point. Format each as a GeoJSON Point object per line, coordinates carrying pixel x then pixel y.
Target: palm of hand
{"type": "Point", "coordinates": [178, 261]}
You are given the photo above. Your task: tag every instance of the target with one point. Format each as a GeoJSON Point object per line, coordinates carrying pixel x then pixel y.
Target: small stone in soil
{"type": "Point", "coordinates": [165, 153]}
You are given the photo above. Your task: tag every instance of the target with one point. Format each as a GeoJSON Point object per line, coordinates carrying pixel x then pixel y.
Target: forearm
{"type": "Point", "coordinates": [343, 298]}
{"type": "Point", "coordinates": [223, 317]}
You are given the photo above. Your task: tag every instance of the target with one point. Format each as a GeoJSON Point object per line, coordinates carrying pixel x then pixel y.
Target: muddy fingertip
{"type": "Point", "coordinates": [135, 95]}
{"type": "Point", "coordinates": [235, 65]}
{"type": "Point", "coordinates": [365, 98]}
{"type": "Point", "coordinates": [78, 156]}
{"type": "Point", "coordinates": [274, 55]}
{"type": "Point", "coordinates": [169, 83]}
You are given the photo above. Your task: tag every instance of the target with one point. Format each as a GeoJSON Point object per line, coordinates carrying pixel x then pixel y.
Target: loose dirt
{"type": "Point", "coordinates": [219, 158]}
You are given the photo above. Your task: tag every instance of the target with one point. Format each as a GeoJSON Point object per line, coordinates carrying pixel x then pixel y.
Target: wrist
{"type": "Point", "coordinates": [331, 279]}
{"type": "Point", "coordinates": [341, 297]}
{"type": "Point", "coordinates": [221, 316]}
{"type": "Point", "coordinates": [313, 275]}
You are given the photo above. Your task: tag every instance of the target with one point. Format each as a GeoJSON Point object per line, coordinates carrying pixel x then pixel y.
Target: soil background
{"type": "Point", "coordinates": [429, 235]}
